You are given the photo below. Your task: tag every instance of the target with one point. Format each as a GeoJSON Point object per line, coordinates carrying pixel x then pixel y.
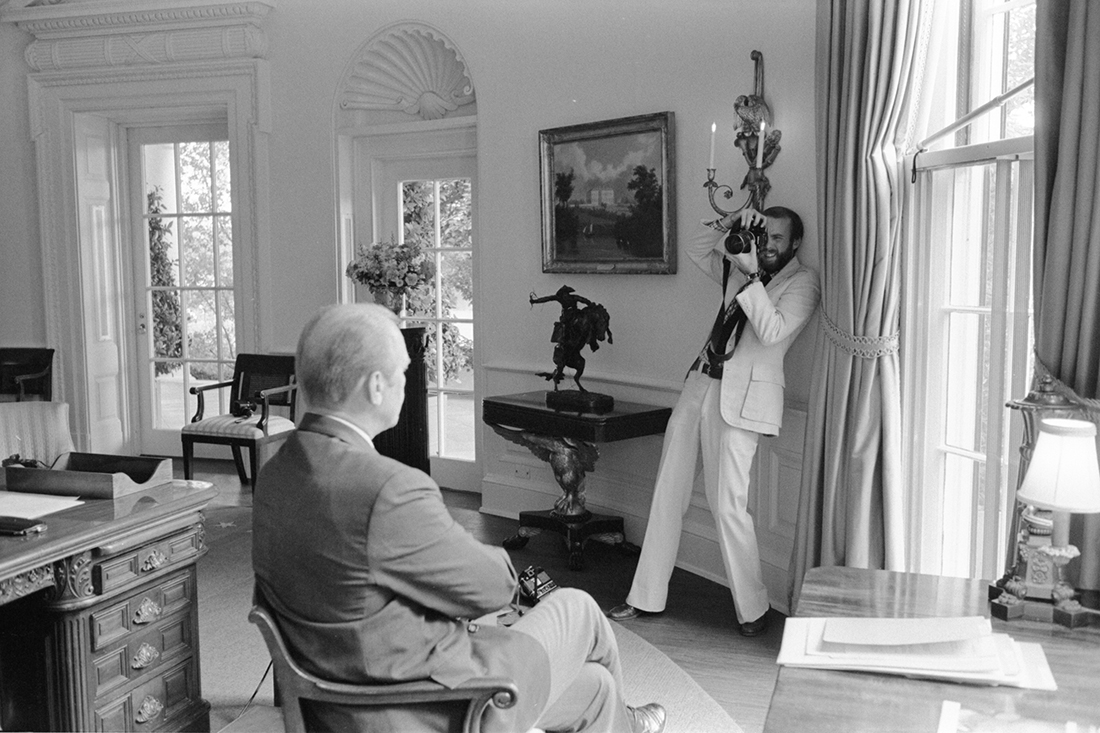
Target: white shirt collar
{"type": "Point", "coordinates": [354, 427]}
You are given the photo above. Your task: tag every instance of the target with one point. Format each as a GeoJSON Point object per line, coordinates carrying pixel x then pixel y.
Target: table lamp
{"type": "Point", "coordinates": [1064, 477]}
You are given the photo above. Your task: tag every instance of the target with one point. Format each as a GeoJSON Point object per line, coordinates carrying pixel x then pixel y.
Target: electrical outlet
{"type": "Point", "coordinates": [523, 472]}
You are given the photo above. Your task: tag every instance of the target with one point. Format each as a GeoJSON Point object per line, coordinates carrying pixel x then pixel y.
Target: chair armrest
{"type": "Point", "coordinates": [200, 407]}
{"type": "Point", "coordinates": [264, 395]}
{"type": "Point", "coordinates": [25, 377]}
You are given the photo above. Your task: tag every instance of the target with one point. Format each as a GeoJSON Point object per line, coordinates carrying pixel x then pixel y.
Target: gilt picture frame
{"type": "Point", "coordinates": [608, 193]}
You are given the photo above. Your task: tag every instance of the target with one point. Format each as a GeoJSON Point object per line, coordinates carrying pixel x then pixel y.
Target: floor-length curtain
{"type": "Point", "coordinates": [1067, 225]}
{"type": "Point", "coordinates": [851, 503]}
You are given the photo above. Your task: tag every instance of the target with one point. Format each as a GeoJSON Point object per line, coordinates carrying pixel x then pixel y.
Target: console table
{"type": "Point", "coordinates": [820, 700]}
{"type": "Point", "coordinates": [99, 621]}
{"type": "Point", "coordinates": [565, 440]}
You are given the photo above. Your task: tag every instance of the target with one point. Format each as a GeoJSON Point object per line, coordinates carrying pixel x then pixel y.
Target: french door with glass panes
{"type": "Point", "coordinates": [184, 277]}
{"type": "Point", "coordinates": [431, 201]}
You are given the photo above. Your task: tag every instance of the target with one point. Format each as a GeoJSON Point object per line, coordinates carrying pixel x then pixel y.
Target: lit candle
{"type": "Point", "coordinates": [760, 147]}
{"type": "Point", "coordinates": [713, 127]}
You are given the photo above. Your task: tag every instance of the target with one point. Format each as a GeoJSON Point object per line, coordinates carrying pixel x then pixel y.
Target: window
{"type": "Point", "coordinates": [438, 214]}
{"type": "Point", "coordinates": [188, 281]}
{"type": "Point", "coordinates": [967, 329]}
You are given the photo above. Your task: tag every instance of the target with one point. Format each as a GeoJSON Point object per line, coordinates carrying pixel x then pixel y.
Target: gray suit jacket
{"type": "Point", "coordinates": [752, 380]}
{"type": "Point", "coordinates": [372, 580]}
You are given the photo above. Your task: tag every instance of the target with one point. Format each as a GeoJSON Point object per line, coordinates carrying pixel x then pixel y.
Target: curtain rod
{"type": "Point", "coordinates": [969, 116]}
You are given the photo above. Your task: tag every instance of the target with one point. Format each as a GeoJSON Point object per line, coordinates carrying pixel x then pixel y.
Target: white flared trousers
{"type": "Point", "coordinates": [696, 423]}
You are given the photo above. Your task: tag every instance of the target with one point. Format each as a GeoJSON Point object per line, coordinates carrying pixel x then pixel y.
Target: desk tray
{"type": "Point", "coordinates": [92, 475]}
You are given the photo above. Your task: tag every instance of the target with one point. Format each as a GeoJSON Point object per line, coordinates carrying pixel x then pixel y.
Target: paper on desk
{"type": "Point", "coordinates": [32, 506]}
{"type": "Point", "coordinates": [985, 658]}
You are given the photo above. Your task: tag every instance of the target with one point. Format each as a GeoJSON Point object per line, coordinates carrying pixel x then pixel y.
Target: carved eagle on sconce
{"type": "Point", "coordinates": [752, 109]}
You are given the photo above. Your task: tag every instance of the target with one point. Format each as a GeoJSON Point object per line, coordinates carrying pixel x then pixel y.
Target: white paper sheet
{"type": "Point", "coordinates": [32, 506]}
{"type": "Point", "coordinates": [987, 659]}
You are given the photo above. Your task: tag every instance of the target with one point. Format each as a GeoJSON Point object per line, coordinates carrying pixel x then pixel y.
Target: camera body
{"type": "Point", "coordinates": [242, 408]}
{"type": "Point", "coordinates": [740, 240]}
{"type": "Point", "coordinates": [534, 583]}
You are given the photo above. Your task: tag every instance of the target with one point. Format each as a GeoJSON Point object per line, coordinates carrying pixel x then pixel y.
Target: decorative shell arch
{"type": "Point", "coordinates": [411, 68]}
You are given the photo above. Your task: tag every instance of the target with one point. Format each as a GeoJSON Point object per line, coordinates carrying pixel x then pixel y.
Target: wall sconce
{"type": "Point", "coordinates": [1064, 477]}
{"type": "Point", "coordinates": [757, 140]}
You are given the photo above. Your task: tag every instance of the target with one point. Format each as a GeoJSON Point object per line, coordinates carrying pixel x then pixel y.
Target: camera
{"type": "Point", "coordinates": [740, 241]}
{"type": "Point", "coordinates": [242, 408]}
{"type": "Point", "coordinates": [535, 583]}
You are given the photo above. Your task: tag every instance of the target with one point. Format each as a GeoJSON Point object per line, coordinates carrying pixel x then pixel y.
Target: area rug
{"type": "Point", "coordinates": [234, 658]}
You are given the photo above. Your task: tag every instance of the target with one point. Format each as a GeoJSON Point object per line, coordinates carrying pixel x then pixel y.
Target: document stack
{"type": "Point", "coordinates": [959, 649]}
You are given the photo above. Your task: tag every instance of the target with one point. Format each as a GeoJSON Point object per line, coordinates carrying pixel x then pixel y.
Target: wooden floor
{"type": "Point", "coordinates": [698, 629]}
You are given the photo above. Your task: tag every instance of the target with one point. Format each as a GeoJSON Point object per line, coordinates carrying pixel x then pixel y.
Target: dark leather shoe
{"type": "Point", "coordinates": [623, 612]}
{"type": "Point", "coordinates": [649, 718]}
{"type": "Point", "coordinates": [755, 628]}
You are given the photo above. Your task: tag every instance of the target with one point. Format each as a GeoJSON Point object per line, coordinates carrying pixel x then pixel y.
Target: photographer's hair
{"type": "Point", "coordinates": [340, 346]}
{"type": "Point", "coordinates": [782, 212]}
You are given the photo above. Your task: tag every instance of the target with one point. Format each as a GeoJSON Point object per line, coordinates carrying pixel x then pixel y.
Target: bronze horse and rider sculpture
{"type": "Point", "coordinates": [575, 328]}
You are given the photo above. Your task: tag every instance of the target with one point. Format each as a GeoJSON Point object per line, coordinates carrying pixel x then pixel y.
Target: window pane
{"type": "Point", "coordinates": [1019, 112]}
{"type": "Point", "coordinates": [169, 405]}
{"type": "Point", "coordinates": [201, 330]}
{"type": "Point", "coordinates": [968, 248]}
{"type": "Point", "coordinates": [159, 163]}
{"type": "Point", "coordinates": [961, 478]}
{"type": "Point", "coordinates": [967, 381]}
{"type": "Point", "coordinates": [222, 190]}
{"type": "Point", "coordinates": [418, 212]}
{"type": "Point", "coordinates": [455, 208]}
{"type": "Point", "coordinates": [195, 173]}
{"type": "Point", "coordinates": [224, 253]}
{"type": "Point", "coordinates": [198, 251]}
{"type": "Point", "coordinates": [227, 328]}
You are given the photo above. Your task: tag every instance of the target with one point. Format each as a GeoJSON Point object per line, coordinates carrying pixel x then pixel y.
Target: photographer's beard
{"type": "Point", "coordinates": [772, 260]}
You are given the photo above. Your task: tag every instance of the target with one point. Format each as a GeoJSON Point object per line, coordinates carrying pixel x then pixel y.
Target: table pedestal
{"type": "Point", "coordinates": [565, 440]}
{"type": "Point", "coordinates": [576, 530]}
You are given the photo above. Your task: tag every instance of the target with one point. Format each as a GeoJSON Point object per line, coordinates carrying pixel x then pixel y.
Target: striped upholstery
{"type": "Point", "coordinates": [38, 430]}
{"type": "Point", "coordinates": [229, 426]}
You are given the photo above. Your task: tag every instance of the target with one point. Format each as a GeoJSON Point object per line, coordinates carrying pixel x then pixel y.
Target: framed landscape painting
{"type": "Point", "coordinates": [607, 196]}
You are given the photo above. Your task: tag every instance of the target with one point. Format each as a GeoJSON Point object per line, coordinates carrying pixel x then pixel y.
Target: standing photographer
{"type": "Point", "coordinates": [733, 394]}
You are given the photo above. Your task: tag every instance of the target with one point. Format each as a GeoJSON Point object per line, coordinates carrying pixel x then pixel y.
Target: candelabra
{"type": "Point", "coordinates": [757, 140]}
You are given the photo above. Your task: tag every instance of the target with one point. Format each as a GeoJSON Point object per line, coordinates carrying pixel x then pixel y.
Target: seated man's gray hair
{"type": "Point", "coordinates": [341, 345]}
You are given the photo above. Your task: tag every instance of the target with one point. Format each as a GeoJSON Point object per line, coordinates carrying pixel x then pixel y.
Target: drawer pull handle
{"type": "Point", "coordinates": [150, 708]}
{"type": "Point", "coordinates": [155, 560]}
{"type": "Point", "coordinates": [147, 612]}
{"type": "Point", "coordinates": [146, 655]}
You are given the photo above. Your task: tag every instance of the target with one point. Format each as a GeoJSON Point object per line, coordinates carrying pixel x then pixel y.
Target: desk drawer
{"type": "Point", "coordinates": [152, 704]}
{"type": "Point", "coordinates": [116, 572]}
{"type": "Point", "coordinates": [143, 607]}
{"type": "Point", "coordinates": [142, 653]}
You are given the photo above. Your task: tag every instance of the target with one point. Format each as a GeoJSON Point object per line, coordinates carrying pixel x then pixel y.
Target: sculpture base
{"type": "Point", "coordinates": [573, 400]}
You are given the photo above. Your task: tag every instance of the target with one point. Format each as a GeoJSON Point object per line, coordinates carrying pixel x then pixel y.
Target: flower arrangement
{"type": "Point", "coordinates": [390, 269]}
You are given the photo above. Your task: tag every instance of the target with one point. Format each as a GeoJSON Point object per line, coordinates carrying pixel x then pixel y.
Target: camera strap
{"type": "Point", "coordinates": [729, 322]}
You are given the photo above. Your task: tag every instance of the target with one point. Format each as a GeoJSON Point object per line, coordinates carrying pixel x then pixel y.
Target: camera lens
{"type": "Point", "coordinates": [741, 240]}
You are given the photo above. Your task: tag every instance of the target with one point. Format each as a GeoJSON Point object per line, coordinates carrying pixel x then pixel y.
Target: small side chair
{"type": "Point", "coordinates": [293, 684]}
{"type": "Point", "coordinates": [26, 373]}
{"type": "Point", "coordinates": [260, 382]}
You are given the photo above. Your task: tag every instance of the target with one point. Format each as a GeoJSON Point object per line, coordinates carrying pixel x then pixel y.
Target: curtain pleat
{"type": "Point", "coordinates": [1067, 227]}
{"type": "Point", "coordinates": [851, 507]}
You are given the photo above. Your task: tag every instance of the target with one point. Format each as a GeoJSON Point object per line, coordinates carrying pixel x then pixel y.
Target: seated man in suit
{"type": "Point", "coordinates": [371, 579]}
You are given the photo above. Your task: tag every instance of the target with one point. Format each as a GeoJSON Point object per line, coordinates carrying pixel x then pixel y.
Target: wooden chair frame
{"type": "Point", "coordinates": [246, 365]}
{"type": "Point", "coordinates": [14, 379]}
{"type": "Point", "coordinates": [294, 684]}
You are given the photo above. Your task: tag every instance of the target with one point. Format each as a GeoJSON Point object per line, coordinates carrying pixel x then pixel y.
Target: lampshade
{"type": "Point", "coordinates": [1063, 474]}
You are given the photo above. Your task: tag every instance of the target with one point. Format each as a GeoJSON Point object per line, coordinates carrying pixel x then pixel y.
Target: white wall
{"type": "Point", "coordinates": [536, 64]}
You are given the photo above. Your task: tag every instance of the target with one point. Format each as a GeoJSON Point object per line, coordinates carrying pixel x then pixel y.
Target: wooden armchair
{"type": "Point", "coordinates": [26, 372]}
{"type": "Point", "coordinates": [293, 684]}
{"type": "Point", "coordinates": [260, 381]}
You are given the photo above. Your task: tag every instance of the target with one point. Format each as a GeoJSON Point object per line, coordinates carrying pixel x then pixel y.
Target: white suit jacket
{"type": "Point", "coordinates": [752, 380]}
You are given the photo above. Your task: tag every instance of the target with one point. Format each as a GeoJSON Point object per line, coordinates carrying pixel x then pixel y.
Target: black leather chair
{"type": "Point", "coordinates": [293, 684]}
{"type": "Point", "coordinates": [26, 373]}
{"type": "Point", "coordinates": [260, 382]}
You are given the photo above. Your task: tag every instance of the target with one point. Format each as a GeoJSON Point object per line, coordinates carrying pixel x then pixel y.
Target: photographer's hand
{"type": "Point", "coordinates": [746, 262]}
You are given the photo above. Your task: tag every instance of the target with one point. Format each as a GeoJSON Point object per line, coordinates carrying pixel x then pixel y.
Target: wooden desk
{"type": "Point", "coordinates": [512, 415]}
{"type": "Point", "coordinates": [806, 699]}
{"type": "Point", "coordinates": [99, 616]}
